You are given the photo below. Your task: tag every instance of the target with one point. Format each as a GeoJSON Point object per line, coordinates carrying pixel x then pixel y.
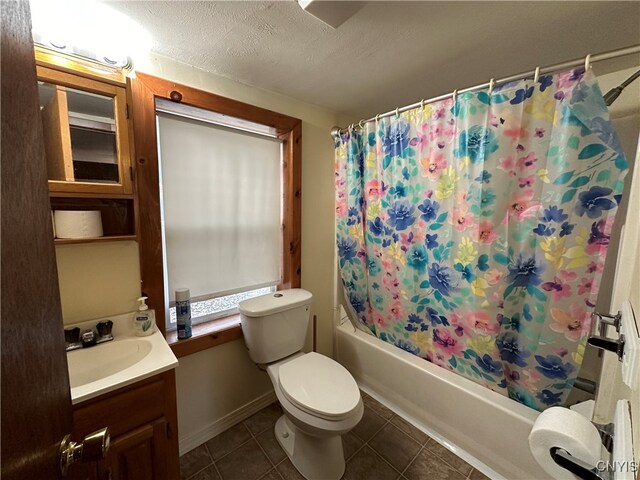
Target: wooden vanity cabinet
{"type": "Point", "coordinates": [142, 419]}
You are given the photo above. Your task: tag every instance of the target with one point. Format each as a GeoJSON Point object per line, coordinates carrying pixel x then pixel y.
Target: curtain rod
{"type": "Point", "coordinates": [621, 52]}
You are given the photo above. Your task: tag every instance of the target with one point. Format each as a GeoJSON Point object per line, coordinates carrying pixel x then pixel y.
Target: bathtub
{"type": "Point", "coordinates": [488, 430]}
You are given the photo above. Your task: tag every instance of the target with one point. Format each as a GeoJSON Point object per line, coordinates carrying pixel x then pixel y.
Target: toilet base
{"type": "Point", "coordinates": [316, 458]}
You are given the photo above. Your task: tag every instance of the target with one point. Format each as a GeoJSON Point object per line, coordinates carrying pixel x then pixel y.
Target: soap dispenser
{"type": "Point", "coordinates": [144, 321]}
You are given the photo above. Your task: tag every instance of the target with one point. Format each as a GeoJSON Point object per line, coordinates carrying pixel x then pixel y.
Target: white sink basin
{"type": "Point", "coordinates": [108, 366]}
{"type": "Point", "coordinates": [90, 364]}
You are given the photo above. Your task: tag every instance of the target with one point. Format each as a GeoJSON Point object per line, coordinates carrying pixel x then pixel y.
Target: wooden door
{"type": "Point", "coordinates": [36, 403]}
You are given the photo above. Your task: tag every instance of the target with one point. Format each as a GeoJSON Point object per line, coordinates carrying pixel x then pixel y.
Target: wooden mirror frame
{"type": "Point", "coordinates": [143, 90]}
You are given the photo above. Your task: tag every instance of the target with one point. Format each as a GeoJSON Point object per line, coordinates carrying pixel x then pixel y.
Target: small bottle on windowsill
{"type": "Point", "coordinates": [183, 312]}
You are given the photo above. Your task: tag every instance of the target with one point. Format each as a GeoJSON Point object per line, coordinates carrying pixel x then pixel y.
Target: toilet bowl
{"type": "Point", "coordinates": [321, 402]}
{"type": "Point", "coordinates": [319, 397]}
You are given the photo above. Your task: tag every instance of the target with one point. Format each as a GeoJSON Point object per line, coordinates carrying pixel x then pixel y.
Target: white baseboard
{"type": "Point", "coordinates": [197, 438]}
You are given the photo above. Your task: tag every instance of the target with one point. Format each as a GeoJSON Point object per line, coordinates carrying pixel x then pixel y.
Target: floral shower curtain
{"type": "Point", "coordinates": [473, 234]}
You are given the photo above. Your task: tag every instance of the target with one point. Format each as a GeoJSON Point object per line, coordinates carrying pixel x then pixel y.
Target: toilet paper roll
{"type": "Point", "coordinates": [566, 429]}
{"type": "Point", "coordinates": [78, 223]}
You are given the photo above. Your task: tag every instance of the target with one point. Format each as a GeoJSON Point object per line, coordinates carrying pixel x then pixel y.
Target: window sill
{"type": "Point", "coordinates": [206, 335]}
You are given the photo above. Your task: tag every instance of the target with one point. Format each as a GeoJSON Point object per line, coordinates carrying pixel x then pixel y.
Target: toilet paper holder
{"type": "Point", "coordinates": [579, 468]}
{"type": "Point", "coordinates": [582, 469]}
{"type": "Point", "coordinates": [617, 438]}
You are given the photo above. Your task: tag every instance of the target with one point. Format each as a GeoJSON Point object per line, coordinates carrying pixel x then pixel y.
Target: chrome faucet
{"type": "Point", "coordinates": [88, 338]}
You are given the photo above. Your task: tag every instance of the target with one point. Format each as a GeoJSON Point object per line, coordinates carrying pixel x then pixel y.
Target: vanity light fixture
{"type": "Point", "coordinates": [89, 29]}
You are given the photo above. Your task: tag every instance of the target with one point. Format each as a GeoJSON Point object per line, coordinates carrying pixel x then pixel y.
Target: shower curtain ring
{"type": "Point", "coordinates": [422, 104]}
{"type": "Point", "coordinates": [377, 118]}
{"type": "Point", "coordinates": [360, 124]}
{"type": "Point", "coordinates": [587, 62]}
{"type": "Point", "coordinates": [397, 112]}
{"type": "Point", "coordinates": [536, 75]}
{"type": "Point", "coordinates": [491, 84]}
{"type": "Point", "coordinates": [455, 94]}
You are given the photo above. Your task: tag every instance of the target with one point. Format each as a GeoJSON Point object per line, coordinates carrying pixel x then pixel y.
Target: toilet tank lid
{"type": "Point", "coordinates": [274, 302]}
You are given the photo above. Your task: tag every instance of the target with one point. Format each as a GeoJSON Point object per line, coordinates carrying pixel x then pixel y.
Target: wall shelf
{"type": "Point", "coordinates": [118, 217]}
{"type": "Point", "coordinates": [118, 196]}
{"type": "Point", "coordinates": [111, 238]}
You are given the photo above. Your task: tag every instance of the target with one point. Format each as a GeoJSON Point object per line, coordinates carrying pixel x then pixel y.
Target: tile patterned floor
{"type": "Point", "coordinates": [382, 446]}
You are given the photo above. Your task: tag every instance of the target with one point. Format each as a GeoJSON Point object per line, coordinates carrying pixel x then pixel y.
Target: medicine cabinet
{"type": "Point", "coordinates": [87, 142]}
{"type": "Point", "coordinates": [85, 132]}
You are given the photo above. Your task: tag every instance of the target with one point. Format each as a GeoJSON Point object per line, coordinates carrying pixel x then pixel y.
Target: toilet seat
{"type": "Point", "coordinates": [319, 386]}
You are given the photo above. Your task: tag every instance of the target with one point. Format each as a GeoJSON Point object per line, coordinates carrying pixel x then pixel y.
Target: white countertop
{"type": "Point", "coordinates": [127, 359]}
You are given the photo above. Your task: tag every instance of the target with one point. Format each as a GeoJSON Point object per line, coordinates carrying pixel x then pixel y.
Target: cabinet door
{"type": "Point", "coordinates": [86, 134]}
{"type": "Point", "coordinates": [139, 455]}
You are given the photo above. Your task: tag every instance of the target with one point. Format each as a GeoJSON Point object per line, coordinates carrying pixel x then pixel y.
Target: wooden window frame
{"type": "Point", "coordinates": [143, 90]}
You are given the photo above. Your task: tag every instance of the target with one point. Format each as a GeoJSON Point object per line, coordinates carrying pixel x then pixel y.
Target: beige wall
{"type": "Point", "coordinates": [104, 279]}
{"type": "Point", "coordinates": [212, 386]}
{"type": "Point", "coordinates": [98, 279]}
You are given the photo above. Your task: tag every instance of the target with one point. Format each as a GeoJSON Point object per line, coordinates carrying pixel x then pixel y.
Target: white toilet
{"type": "Point", "coordinates": [320, 398]}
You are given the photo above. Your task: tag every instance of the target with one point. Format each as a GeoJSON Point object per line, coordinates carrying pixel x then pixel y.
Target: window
{"type": "Point", "coordinates": [204, 310]}
{"type": "Point", "coordinates": [218, 184]}
{"type": "Point", "coordinates": [220, 197]}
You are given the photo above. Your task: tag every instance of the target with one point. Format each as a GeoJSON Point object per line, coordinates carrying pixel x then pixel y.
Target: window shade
{"type": "Point", "coordinates": [221, 200]}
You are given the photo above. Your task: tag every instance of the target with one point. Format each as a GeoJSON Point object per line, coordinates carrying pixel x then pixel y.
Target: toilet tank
{"type": "Point", "coordinates": [275, 325]}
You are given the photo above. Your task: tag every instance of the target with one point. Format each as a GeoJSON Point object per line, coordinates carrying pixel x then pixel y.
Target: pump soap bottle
{"type": "Point", "coordinates": [144, 321]}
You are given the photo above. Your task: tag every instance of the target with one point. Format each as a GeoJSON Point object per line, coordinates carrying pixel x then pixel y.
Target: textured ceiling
{"type": "Point", "coordinates": [389, 53]}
